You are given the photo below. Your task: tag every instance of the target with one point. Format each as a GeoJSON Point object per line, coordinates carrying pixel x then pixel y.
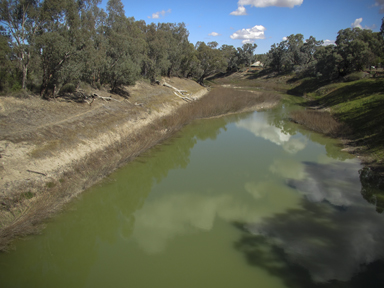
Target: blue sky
{"type": "Point", "coordinates": [264, 22]}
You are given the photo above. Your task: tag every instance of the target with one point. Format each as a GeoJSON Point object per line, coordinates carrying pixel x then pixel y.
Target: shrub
{"type": "Point", "coordinates": [67, 88]}
{"type": "Point", "coordinates": [21, 93]}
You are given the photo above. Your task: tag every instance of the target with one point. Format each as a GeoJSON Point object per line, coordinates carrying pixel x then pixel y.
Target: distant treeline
{"type": "Point", "coordinates": [52, 45]}
{"type": "Point", "coordinates": [354, 50]}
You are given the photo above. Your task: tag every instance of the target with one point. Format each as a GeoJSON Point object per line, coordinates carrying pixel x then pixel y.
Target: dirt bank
{"type": "Point", "coordinates": [52, 150]}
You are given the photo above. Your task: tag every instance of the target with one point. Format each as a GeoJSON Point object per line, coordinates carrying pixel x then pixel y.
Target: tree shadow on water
{"type": "Point", "coordinates": [259, 252]}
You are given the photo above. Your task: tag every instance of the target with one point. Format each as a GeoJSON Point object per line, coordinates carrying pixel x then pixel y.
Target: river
{"type": "Point", "coordinates": [248, 200]}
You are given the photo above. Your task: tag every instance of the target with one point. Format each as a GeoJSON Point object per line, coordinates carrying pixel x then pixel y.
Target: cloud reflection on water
{"type": "Point", "coordinates": [181, 213]}
{"type": "Point", "coordinates": [260, 128]}
{"type": "Point", "coordinates": [336, 234]}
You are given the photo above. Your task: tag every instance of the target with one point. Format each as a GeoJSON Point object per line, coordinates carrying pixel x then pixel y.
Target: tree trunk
{"type": "Point", "coordinates": [25, 73]}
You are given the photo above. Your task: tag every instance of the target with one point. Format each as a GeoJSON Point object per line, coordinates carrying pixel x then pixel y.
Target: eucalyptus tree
{"type": "Point", "coordinates": [211, 60]}
{"type": "Point", "coordinates": [21, 20]}
{"type": "Point", "coordinates": [122, 66]}
{"type": "Point", "coordinates": [357, 48]}
{"type": "Point", "coordinates": [276, 57]}
{"type": "Point", "coordinates": [308, 50]}
{"type": "Point", "coordinates": [230, 55]}
{"type": "Point", "coordinates": [94, 57]}
{"type": "Point", "coordinates": [245, 54]}
{"type": "Point", "coordinates": [328, 62]}
{"type": "Point", "coordinates": [190, 64]}
{"type": "Point", "coordinates": [156, 61]}
{"type": "Point", "coordinates": [176, 36]}
{"type": "Point", "coordinates": [382, 27]}
{"type": "Point", "coordinates": [6, 71]}
{"type": "Point", "coordinates": [293, 46]}
{"type": "Point", "coordinates": [62, 39]}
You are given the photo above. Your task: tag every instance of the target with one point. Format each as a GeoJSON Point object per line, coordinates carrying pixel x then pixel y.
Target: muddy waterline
{"type": "Point", "coordinates": [246, 200]}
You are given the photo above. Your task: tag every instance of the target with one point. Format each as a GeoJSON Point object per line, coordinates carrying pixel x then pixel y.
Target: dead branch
{"type": "Point", "coordinates": [183, 94]}
{"type": "Point", "coordinates": [105, 98]}
{"type": "Point", "coordinates": [31, 171]}
{"type": "Point", "coordinates": [187, 99]}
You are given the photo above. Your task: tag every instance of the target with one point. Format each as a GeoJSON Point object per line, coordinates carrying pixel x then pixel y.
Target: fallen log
{"type": "Point", "coordinates": [183, 94]}
{"type": "Point", "coordinates": [40, 173]}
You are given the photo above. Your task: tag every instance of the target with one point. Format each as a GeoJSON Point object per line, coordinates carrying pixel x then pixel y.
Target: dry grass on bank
{"type": "Point", "coordinates": [319, 121]}
{"type": "Point", "coordinates": [24, 213]}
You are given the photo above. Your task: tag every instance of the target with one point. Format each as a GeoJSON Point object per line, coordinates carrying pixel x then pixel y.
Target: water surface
{"type": "Point", "coordinates": [247, 200]}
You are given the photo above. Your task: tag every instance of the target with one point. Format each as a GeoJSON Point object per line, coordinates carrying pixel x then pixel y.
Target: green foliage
{"type": "Point", "coordinates": [293, 53]}
{"type": "Point", "coordinates": [211, 60]}
{"type": "Point", "coordinates": [27, 195]}
{"type": "Point", "coordinates": [354, 47]}
{"type": "Point", "coordinates": [328, 64]}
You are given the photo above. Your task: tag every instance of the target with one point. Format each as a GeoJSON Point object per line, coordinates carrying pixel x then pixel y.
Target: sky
{"type": "Point", "coordinates": [264, 22]}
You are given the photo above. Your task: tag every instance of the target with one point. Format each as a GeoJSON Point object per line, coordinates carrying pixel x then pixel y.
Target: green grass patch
{"type": "Point", "coordinates": [305, 85]}
{"type": "Point", "coordinates": [50, 184]}
{"type": "Point", "coordinates": [27, 195]}
{"type": "Point", "coordinates": [360, 105]}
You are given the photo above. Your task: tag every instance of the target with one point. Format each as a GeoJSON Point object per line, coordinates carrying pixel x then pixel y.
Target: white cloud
{"type": "Point", "coordinates": [214, 34]}
{"type": "Point", "coordinates": [240, 11]}
{"type": "Point", "coordinates": [357, 23]}
{"type": "Point", "coordinates": [247, 41]}
{"type": "Point", "coordinates": [285, 39]}
{"type": "Point", "coordinates": [329, 42]}
{"type": "Point", "coordinates": [257, 32]}
{"type": "Point", "coordinates": [380, 3]}
{"type": "Point", "coordinates": [159, 14]}
{"type": "Point", "coordinates": [266, 3]}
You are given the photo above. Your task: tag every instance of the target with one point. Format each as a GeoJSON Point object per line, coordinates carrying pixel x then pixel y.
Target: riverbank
{"type": "Point", "coordinates": [52, 151]}
{"type": "Point", "coordinates": [349, 109]}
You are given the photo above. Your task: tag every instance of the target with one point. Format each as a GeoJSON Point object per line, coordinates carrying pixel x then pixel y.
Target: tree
{"type": "Point", "coordinates": [308, 50]}
{"type": "Point", "coordinates": [356, 46]}
{"type": "Point", "coordinates": [176, 36]}
{"type": "Point", "coordinates": [122, 65]}
{"type": "Point", "coordinates": [211, 60]}
{"type": "Point", "coordinates": [190, 63]}
{"type": "Point", "coordinates": [277, 56]}
{"type": "Point", "coordinates": [156, 60]}
{"type": "Point", "coordinates": [7, 71]}
{"type": "Point", "coordinates": [245, 54]}
{"type": "Point", "coordinates": [229, 53]}
{"type": "Point", "coordinates": [294, 55]}
{"type": "Point", "coordinates": [61, 42]}
{"type": "Point", "coordinates": [328, 62]}
{"type": "Point", "coordinates": [22, 21]}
